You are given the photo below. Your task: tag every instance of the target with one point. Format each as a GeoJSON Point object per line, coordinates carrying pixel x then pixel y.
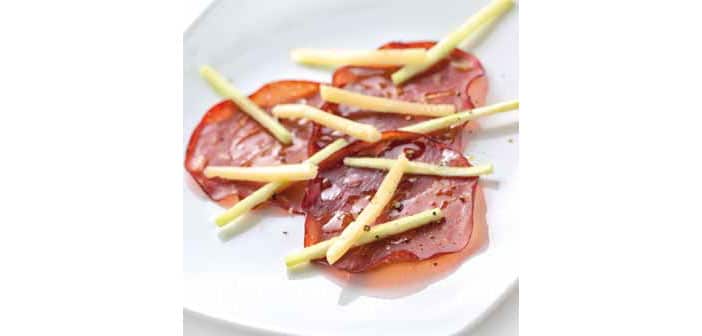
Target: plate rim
{"type": "Point", "coordinates": [469, 326]}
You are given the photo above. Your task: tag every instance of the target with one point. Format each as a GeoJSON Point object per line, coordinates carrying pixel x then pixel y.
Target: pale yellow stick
{"type": "Point", "coordinates": [284, 172]}
{"type": "Point", "coordinates": [330, 57]}
{"type": "Point", "coordinates": [370, 213]}
{"type": "Point", "coordinates": [264, 193]}
{"type": "Point", "coordinates": [378, 104]}
{"type": "Point", "coordinates": [461, 117]}
{"type": "Point", "coordinates": [227, 90]}
{"type": "Point", "coordinates": [420, 168]}
{"type": "Point", "coordinates": [249, 202]}
{"type": "Point", "coordinates": [377, 232]}
{"type": "Point", "coordinates": [448, 43]}
{"type": "Point", "coordinates": [357, 130]}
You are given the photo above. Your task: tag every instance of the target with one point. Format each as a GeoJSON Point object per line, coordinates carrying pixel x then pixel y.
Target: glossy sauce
{"type": "Point", "coordinates": [403, 278]}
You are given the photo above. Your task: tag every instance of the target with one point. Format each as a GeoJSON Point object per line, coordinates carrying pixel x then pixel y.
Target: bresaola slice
{"type": "Point", "coordinates": [226, 136]}
{"type": "Point", "coordinates": [458, 80]}
{"type": "Point", "coordinates": [339, 193]}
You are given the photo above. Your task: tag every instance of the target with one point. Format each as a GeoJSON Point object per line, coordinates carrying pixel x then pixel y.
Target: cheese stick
{"type": "Point", "coordinates": [227, 90]}
{"type": "Point", "coordinates": [264, 193]}
{"type": "Point", "coordinates": [378, 104]}
{"type": "Point", "coordinates": [377, 232]}
{"type": "Point", "coordinates": [420, 168]}
{"type": "Point", "coordinates": [289, 172]}
{"type": "Point", "coordinates": [352, 233]}
{"type": "Point", "coordinates": [329, 57]}
{"type": "Point", "coordinates": [451, 41]}
{"type": "Point", "coordinates": [436, 124]}
{"type": "Point", "coordinates": [357, 130]}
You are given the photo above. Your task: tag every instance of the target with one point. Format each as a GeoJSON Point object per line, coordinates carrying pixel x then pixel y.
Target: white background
{"type": "Point", "coordinates": [90, 129]}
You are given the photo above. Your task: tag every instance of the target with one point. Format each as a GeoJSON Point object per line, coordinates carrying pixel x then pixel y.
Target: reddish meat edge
{"type": "Point", "coordinates": [269, 95]}
{"type": "Point", "coordinates": [455, 229]}
{"type": "Point", "coordinates": [411, 276]}
{"type": "Point", "coordinates": [443, 83]}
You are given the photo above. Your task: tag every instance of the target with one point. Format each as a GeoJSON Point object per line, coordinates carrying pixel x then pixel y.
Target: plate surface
{"type": "Point", "coordinates": [241, 278]}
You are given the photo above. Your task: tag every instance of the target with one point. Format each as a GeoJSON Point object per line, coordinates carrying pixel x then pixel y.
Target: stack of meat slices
{"type": "Point", "coordinates": [226, 136]}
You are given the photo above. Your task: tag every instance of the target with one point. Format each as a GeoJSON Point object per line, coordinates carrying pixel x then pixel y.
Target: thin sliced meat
{"type": "Point", "coordinates": [339, 193]}
{"type": "Point", "coordinates": [404, 277]}
{"type": "Point", "coordinates": [226, 136]}
{"type": "Point", "coordinates": [459, 80]}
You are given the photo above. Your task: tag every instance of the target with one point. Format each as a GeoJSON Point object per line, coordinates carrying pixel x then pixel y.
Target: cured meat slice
{"type": "Point", "coordinates": [339, 193]}
{"type": "Point", "coordinates": [227, 136]}
{"type": "Point", "coordinates": [459, 80]}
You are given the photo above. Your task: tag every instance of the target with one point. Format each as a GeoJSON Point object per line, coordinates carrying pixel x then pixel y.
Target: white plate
{"type": "Point", "coordinates": [243, 280]}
